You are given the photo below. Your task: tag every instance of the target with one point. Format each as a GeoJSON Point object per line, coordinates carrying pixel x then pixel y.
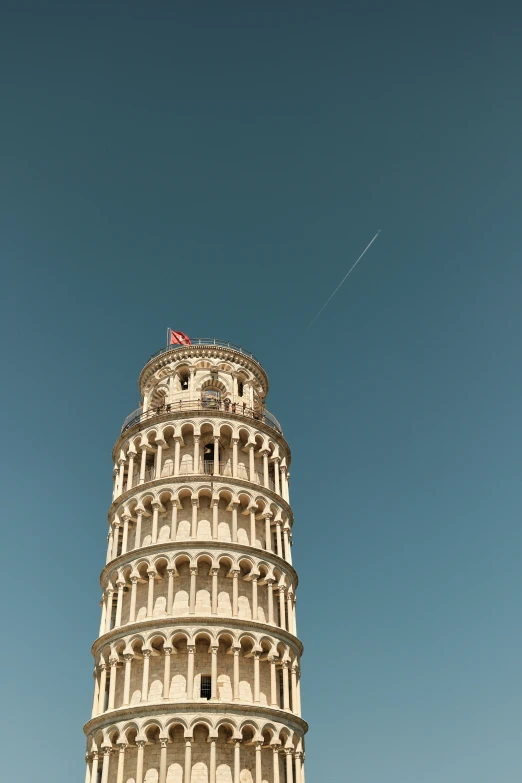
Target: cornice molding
{"type": "Point", "coordinates": [183, 414]}
{"type": "Point", "coordinates": [235, 623]}
{"type": "Point", "coordinates": [172, 708]}
{"type": "Point", "coordinates": [169, 546]}
{"type": "Point", "coordinates": [206, 481]}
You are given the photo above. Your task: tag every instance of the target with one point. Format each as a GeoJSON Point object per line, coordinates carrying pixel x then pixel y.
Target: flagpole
{"type": "Point", "coordinates": [167, 346]}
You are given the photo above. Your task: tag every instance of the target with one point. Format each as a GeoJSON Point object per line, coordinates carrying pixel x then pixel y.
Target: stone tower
{"type": "Point", "coordinates": [197, 663]}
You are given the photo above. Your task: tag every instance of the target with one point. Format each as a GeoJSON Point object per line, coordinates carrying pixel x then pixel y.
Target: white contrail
{"type": "Point", "coordinates": [342, 281]}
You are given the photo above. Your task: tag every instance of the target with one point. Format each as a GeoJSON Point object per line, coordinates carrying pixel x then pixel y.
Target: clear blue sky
{"type": "Point", "coordinates": [216, 167]}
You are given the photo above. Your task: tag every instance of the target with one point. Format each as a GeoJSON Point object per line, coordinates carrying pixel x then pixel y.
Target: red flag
{"type": "Point", "coordinates": [179, 338]}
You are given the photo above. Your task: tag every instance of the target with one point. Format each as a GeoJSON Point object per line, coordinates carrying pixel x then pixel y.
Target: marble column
{"type": "Point", "coordinates": [106, 762]}
{"type": "Point", "coordinates": [127, 678]}
{"type": "Point", "coordinates": [150, 593]}
{"type": "Point", "coordinates": [139, 761]}
{"type": "Point", "coordinates": [191, 651]}
{"type": "Point", "coordinates": [121, 761]}
{"type": "Point", "coordinates": [132, 608]}
{"type": "Point", "coordinates": [214, 572]}
{"type": "Point", "coordinates": [167, 652]}
{"type": "Point", "coordinates": [237, 761]}
{"type": "Point", "coordinates": [112, 684]}
{"type": "Point", "coordinates": [192, 603]}
{"type": "Point", "coordinates": [145, 678]}
{"type": "Point", "coordinates": [213, 672]}
{"type": "Point", "coordinates": [163, 760]}
{"type": "Point", "coordinates": [188, 762]}
{"type": "Point", "coordinates": [237, 650]}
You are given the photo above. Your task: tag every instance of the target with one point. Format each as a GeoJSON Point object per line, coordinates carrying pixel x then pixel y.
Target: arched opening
{"type": "Point", "coordinates": [210, 397]}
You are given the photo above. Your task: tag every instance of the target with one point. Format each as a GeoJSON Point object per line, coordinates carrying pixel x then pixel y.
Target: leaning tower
{"type": "Point", "coordinates": [197, 665]}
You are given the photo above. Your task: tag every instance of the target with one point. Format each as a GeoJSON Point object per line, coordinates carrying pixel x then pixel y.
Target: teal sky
{"type": "Point", "coordinates": [216, 168]}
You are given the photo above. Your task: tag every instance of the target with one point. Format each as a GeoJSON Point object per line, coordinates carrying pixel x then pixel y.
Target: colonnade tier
{"type": "Point", "coordinates": [197, 665]}
{"type": "Point", "coordinates": [202, 745]}
{"type": "Point", "coordinates": [176, 664]}
{"type": "Point", "coordinates": [216, 446]}
{"type": "Point", "coordinates": [199, 512]}
{"type": "Point", "coordinates": [209, 584]}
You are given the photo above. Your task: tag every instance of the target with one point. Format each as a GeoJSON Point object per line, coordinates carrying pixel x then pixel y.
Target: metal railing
{"type": "Point", "coordinates": [207, 341]}
{"type": "Point", "coordinates": [202, 404]}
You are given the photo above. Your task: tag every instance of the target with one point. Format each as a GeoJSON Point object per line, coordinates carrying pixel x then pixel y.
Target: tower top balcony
{"type": "Point", "coordinates": [208, 374]}
{"type": "Point", "coordinates": [201, 348]}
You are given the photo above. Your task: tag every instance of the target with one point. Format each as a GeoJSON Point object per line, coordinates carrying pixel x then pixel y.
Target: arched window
{"type": "Point", "coordinates": [210, 398]}
{"type": "Point", "coordinates": [208, 457]}
{"type": "Point", "coordinates": [240, 388]}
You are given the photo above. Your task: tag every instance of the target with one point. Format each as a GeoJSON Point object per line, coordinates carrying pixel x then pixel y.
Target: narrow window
{"type": "Point", "coordinates": [281, 691]}
{"type": "Point", "coordinates": [114, 608]}
{"type": "Point", "coordinates": [206, 686]}
{"type": "Point", "coordinates": [240, 389]}
{"type": "Point", "coordinates": [208, 458]}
